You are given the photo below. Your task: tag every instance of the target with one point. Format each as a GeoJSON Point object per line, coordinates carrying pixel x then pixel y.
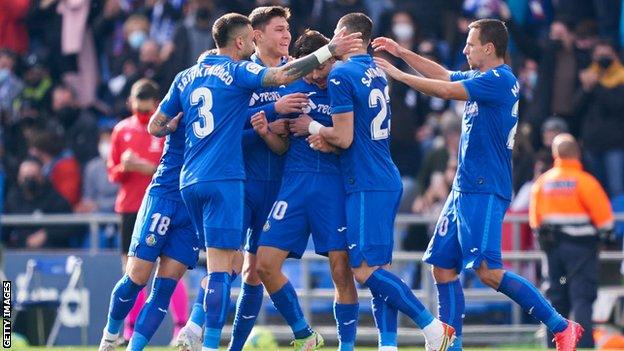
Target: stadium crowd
{"type": "Point", "coordinates": [66, 68]}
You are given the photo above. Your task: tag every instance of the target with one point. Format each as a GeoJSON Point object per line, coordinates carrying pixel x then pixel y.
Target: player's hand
{"type": "Point", "coordinates": [317, 142]}
{"type": "Point", "coordinates": [291, 103]}
{"type": "Point", "coordinates": [173, 124]}
{"type": "Point", "coordinates": [299, 126]}
{"type": "Point", "coordinates": [343, 43]}
{"type": "Point", "coordinates": [128, 160]}
{"type": "Point", "coordinates": [279, 127]}
{"type": "Point", "coordinates": [260, 124]}
{"type": "Point", "coordinates": [388, 45]}
{"type": "Point", "coordinates": [389, 68]}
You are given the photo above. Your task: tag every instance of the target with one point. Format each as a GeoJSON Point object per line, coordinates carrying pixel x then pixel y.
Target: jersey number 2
{"type": "Point", "coordinates": [377, 98]}
{"type": "Point", "coordinates": [205, 125]}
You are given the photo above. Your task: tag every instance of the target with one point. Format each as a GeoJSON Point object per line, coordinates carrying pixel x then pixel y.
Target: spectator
{"type": "Point", "coordinates": [13, 31]}
{"type": "Point", "coordinates": [600, 101]}
{"type": "Point", "coordinates": [32, 195]}
{"type": "Point", "coordinates": [79, 125]}
{"type": "Point", "coordinates": [523, 157]}
{"type": "Point", "coordinates": [149, 66]}
{"type": "Point", "coordinates": [570, 212]}
{"type": "Point", "coordinates": [552, 127]}
{"type": "Point", "coordinates": [98, 194]}
{"type": "Point", "coordinates": [10, 88]}
{"type": "Point", "coordinates": [37, 92]}
{"type": "Point", "coordinates": [59, 165]}
{"type": "Point", "coordinates": [193, 36]}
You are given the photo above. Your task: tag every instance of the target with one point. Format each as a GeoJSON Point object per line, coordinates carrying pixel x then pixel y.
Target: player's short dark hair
{"type": "Point", "coordinates": [49, 142]}
{"type": "Point", "coordinates": [225, 26]}
{"type": "Point", "coordinates": [145, 89]}
{"type": "Point", "coordinates": [261, 16]}
{"type": "Point", "coordinates": [358, 22]}
{"type": "Point", "coordinates": [308, 42]}
{"type": "Point", "coordinates": [492, 31]}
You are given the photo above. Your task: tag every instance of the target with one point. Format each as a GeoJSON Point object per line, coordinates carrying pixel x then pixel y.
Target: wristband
{"type": "Point", "coordinates": [323, 54]}
{"type": "Point", "coordinates": [314, 127]}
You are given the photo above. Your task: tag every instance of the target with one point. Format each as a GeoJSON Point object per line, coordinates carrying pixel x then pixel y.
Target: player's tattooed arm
{"type": "Point", "coordinates": [432, 87]}
{"type": "Point", "coordinates": [161, 125]}
{"type": "Point", "coordinates": [340, 44]}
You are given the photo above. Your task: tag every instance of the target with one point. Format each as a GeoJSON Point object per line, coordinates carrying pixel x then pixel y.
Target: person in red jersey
{"type": "Point", "coordinates": [132, 161]}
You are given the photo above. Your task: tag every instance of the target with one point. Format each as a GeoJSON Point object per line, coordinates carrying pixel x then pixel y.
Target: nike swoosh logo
{"type": "Point", "coordinates": [342, 229]}
{"type": "Point", "coordinates": [122, 300]}
{"type": "Point", "coordinates": [248, 317]}
{"type": "Point", "coordinates": [349, 322]}
{"type": "Point", "coordinates": [162, 310]}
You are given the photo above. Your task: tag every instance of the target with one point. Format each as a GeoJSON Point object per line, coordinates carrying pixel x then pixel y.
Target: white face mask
{"type": "Point", "coordinates": [104, 149]}
{"type": "Point", "coordinates": [403, 31]}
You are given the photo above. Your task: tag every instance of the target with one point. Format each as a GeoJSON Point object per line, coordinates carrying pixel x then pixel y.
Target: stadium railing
{"type": "Point", "coordinates": [510, 333]}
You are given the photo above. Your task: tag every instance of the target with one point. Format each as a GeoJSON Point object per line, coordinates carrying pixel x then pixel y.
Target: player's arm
{"type": "Point", "coordinates": [422, 65]}
{"type": "Point", "coordinates": [442, 89]}
{"type": "Point", "coordinates": [161, 125]}
{"type": "Point", "coordinates": [276, 143]}
{"type": "Point", "coordinates": [340, 134]}
{"type": "Point", "coordinates": [293, 70]}
{"type": "Point", "coordinates": [317, 142]}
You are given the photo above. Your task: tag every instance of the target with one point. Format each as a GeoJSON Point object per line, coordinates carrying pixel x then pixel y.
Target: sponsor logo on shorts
{"type": "Point", "coordinates": [342, 229]}
{"type": "Point", "coordinates": [266, 227]}
{"type": "Point", "coordinates": [150, 240]}
{"type": "Point", "coordinates": [352, 246]}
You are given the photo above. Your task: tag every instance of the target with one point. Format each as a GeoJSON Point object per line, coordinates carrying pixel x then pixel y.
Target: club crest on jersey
{"type": "Point", "coordinates": [266, 227]}
{"type": "Point", "coordinates": [471, 109]}
{"type": "Point", "coordinates": [150, 240]}
{"type": "Point", "coordinates": [253, 68]}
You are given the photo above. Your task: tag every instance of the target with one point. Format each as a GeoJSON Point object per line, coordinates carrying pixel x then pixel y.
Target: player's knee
{"type": "Point", "coordinates": [139, 272]}
{"type": "Point", "coordinates": [489, 277]}
{"type": "Point", "coordinates": [443, 275]}
{"type": "Point", "coordinates": [250, 274]}
{"type": "Point", "coordinates": [265, 268]}
{"type": "Point", "coordinates": [342, 275]}
{"type": "Point", "coordinates": [361, 274]}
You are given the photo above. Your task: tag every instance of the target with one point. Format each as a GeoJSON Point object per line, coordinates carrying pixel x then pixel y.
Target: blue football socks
{"type": "Point", "coordinates": [247, 308]}
{"type": "Point", "coordinates": [398, 294]}
{"type": "Point", "coordinates": [386, 320]}
{"type": "Point", "coordinates": [346, 316]}
{"type": "Point", "coordinates": [286, 302]}
{"type": "Point", "coordinates": [122, 300]}
{"type": "Point", "coordinates": [532, 301]}
{"type": "Point", "coordinates": [216, 306]}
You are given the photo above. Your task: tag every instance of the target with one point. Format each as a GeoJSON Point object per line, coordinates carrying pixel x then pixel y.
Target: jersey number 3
{"type": "Point", "coordinates": [377, 98]}
{"type": "Point", "coordinates": [205, 125]}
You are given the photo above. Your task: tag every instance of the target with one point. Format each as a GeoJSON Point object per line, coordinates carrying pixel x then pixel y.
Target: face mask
{"type": "Point", "coordinates": [604, 62]}
{"type": "Point", "coordinates": [4, 74]}
{"type": "Point", "coordinates": [136, 39]}
{"type": "Point", "coordinates": [143, 116]}
{"type": "Point", "coordinates": [532, 78]}
{"type": "Point", "coordinates": [31, 185]}
{"type": "Point", "coordinates": [202, 14]}
{"type": "Point", "coordinates": [104, 149]}
{"type": "Point", "coordinates": [403, 31]}
{"type": "Point", "coordinates": [67, 115]}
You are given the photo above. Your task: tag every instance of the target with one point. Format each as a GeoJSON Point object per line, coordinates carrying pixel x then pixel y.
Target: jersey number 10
{"type": "Point", "coordinates": [205, 125]}
{"type": "Point", "coordinates": [377, 98]}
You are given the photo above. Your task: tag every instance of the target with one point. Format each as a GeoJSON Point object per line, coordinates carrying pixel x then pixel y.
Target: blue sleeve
{"type": "Point", "coordinates": [250, 137]}
{"type": "Point", "coordinates": [488, 87]}
{"type": "Point", "coordinates": [249, 75]}
{"type": "Point", "coordinates": [269, 111]}
{"type": "Point", "coordinates": [460, 75]}
{"type": "Point", "coordinates": [340, 92]}
{"type": "Point", "coordinates": [170, 105]}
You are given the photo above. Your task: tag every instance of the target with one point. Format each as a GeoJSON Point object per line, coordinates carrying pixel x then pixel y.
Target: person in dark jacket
{"type": "Point", "coordinates": [600, 102]}
{"type": "Point", "coordinates": [34, 194]}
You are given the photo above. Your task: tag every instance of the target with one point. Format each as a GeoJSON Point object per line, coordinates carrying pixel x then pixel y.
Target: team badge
{"type": "Point", "coordinates": [266, 226]}
{"type": "Point", "coordinates": [150, 240]}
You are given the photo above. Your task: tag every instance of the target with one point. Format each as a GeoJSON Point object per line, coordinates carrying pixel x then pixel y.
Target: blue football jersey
{"type": "Point", "coordinates": [260, 162]}
{"type": "Point", "coordinates": [300, 156]}
{"type": "Point", "coordinates": [214, 96]}
{"type": "Point", "coordinates": [358, 85]}
{"type": "Point", "coordinates": [488, 131]}
{"type": "Point", "coordinates": [166, 180]}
